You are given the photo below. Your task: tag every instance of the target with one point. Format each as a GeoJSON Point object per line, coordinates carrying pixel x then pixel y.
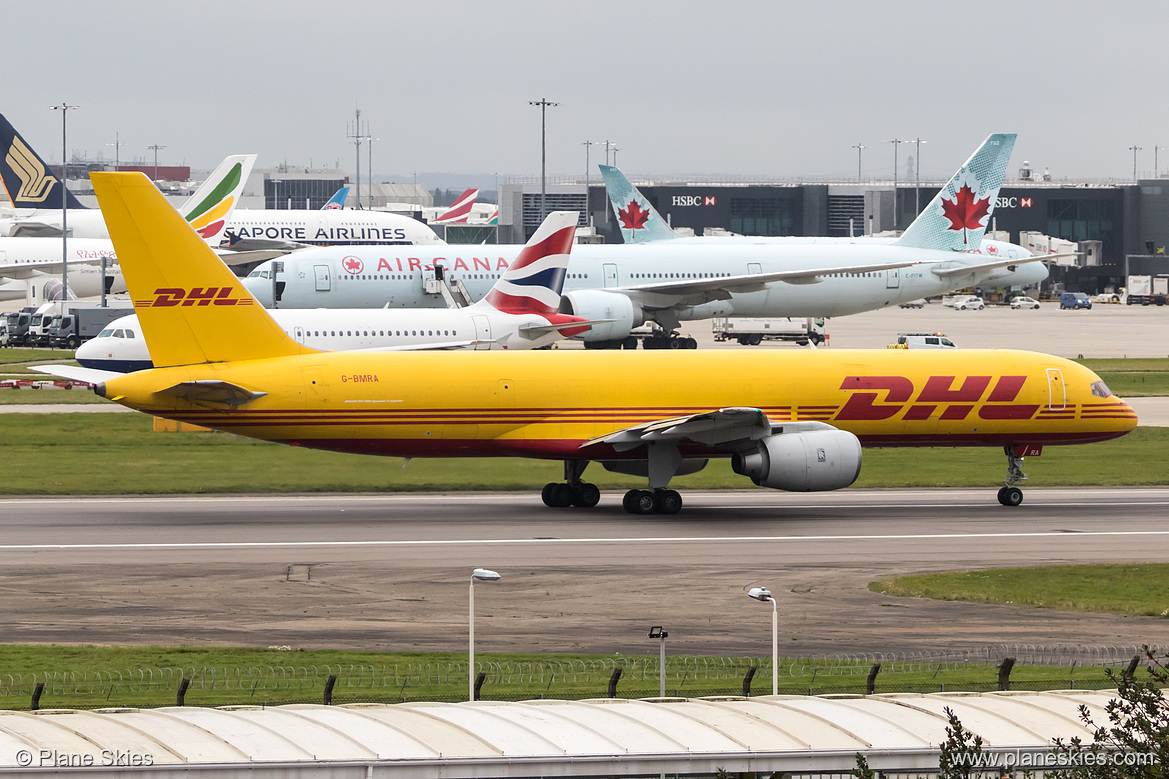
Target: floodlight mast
{"type": "Point", "coordinates": [763, 594]}
{"type": "Point", "coordinates": [657, 632]}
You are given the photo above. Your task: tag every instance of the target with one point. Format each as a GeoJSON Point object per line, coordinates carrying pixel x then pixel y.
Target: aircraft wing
{"type": "Point", "coordinates": [76, 373]}
{"type": "Point", "coordinates": [29, 270]}
{"type": "Point", "coordinates": [237, 244]}
{"type": "Point", "coordinates": [233, 257]}
{"type": "Point", "coordinates": [713, 428]}
{"type": "Point", "coordinates": [697, 291]}
{"type": "Point", "coordinates": [32, 228]}
{"type": "Point", "coordinates": [960, 270]}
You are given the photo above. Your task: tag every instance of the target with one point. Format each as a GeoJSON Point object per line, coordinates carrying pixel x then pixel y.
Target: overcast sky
{"type": "Point", "coordinates": [775, 89]}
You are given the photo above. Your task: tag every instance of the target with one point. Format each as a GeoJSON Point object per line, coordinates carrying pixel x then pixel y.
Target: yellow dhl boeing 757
{"type": "Point", "coordinates": [790, 420]}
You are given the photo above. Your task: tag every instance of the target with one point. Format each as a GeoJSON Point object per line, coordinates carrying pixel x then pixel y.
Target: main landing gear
{"type": "Point", "coordinates": [572, 491]}
{"type": "Point", "coordinates": [1010, 495]}
{"type": "Point", "coordinates": [658, 501]}
{"type": "Point", "coordinates": [661, 339]}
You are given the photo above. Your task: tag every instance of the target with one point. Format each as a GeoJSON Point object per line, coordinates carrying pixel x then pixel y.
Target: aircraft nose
{"type": "Point", "coordinates": [87, 351]}
{"type": "Point", "coordinates": [261, 290]}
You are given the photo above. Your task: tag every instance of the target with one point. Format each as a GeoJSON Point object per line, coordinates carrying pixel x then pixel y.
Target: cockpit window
{"type": "Point", "coordinates": [119, 334]}
{"type": "Point", "coordinates": [1100, 389]}
{"type": "Point", "coordinates": [106, 333]}
{"type": "Point", "coordinates": [130, 334]}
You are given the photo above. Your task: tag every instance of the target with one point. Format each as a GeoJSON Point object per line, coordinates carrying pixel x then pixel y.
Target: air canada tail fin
{"type": "Point", "coordinates": [461, 208]}
{"type": "Point", "coordinates": [639, 221]}
{"type": "Point", "coordinates": [27, 178]}
{"type": "Point", "coordinates": [957, 217]}
{"type": "Point", "coordinates": [337, 201]}
{"type": "Point", "coordinates": [210, 207]}
{"type": "Point", "coordinates": [191, 308]}
{"type": "Point", "coordinates": [533, 283]}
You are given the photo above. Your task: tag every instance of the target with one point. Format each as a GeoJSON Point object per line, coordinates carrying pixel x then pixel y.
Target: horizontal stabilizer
{"type": "Point", "coordinates": [533, 330]}
{"type": "Point", "coordinates": [959, 270]}
{"type": "Point", "coordinates": [76, 373]}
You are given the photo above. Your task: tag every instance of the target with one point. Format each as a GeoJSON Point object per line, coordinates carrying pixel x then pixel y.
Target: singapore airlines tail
{"type": "Point", "coordinates": [192, 308]}
{"type": "Point", "coordinates": [957, 217]}
{"type": "Point", "coordinates": [26, 177]}
{"type": "Point", "coordinates": [639, 221]}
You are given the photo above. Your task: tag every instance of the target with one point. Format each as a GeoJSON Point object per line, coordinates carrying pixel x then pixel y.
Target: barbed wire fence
{"type": "Point", "coordinates": [551, 678]}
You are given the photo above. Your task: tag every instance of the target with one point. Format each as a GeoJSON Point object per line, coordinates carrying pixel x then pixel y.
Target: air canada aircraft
{"type": "Point", "coordinates": [787, 420]}
{"type": "Point", "coordinates": [668, 282]}
{"type": "Point", "coordinates": [519, 313]}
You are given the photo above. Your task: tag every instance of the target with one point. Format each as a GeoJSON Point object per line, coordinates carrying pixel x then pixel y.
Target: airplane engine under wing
{"type": "Point", "coordinates": [808, 461]}
{"type": "Point", "coordinates": [593, 304]}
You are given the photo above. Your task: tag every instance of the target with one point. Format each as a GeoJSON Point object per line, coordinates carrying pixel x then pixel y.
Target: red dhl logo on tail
{"type": "Point", "coordinates": [898, 391]}
{"type": "Point", "coordinates": [165, 297]}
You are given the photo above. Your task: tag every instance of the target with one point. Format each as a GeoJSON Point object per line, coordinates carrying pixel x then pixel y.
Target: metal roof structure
{"type": "Point", "coordinates": [603, 737]}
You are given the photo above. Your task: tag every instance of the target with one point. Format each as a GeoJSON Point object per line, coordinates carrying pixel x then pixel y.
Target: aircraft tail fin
{"type": "Point", "coordinates": [210, 207]}
{"type": "Point", "coordinates": [26, 177]}
{"type": "Point", "coordinates": [533, 283]}
{"type": "Point", "coordinates": [957, 217]}
{"type": "Point", "coordinates": [191, 308]}
{"type": "Point", "coordinates": [461, 208]}
{"type": "Point", "coordinates": [337, 201]}
{"type": "Point", "coordinates": [639, 221]}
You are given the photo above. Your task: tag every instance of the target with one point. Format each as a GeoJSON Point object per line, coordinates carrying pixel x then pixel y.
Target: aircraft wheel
{"type": "Point", "coordinates": [629, 502]}
{"type": "Point", "coordinates": [690, 343]}
{"type": "Point", "coordinates": [586, 495]}
{"type": "Point", "coordinates": [630, 342]}
{"type": "Point", "coordinates": [1010, 496]}
{"type": "Point", "coordinates": [561, 495]}
{"type": "Point", "coordinates": [674, 343]}
{"type": "Point", "coordinates": [546, 493]}
{"type": "Point", "coordinates": [668, 501]}
{"type": "Point", "coordinates": [644, 503]}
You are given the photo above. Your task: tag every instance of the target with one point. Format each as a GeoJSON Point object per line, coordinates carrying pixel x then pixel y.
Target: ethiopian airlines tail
{"type": "Point", "coordinates": [26, 176]}
{"type": "Point", "coordinates": [337, 201]}
{"type": "Point", "coordinates": [640, 222]}
{"type": "Point", "coordinates": [210, 207]}
{"type": "Point", "coordinates": [461, 208]}
{"type": "Point", "coordinates": [533, 283]}
{"type": "Point", "coordinates": [959, 214]}
{"type": "Point", "coordinates": [192, 308]}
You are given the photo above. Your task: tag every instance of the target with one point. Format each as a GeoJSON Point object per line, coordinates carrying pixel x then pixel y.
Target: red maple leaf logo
{"type": "Point", "coordinates": [353, 264]}
{"type": "Point", "coordinates": [965, 211]}
{"type": "Point", "coordinates": [633, 217]}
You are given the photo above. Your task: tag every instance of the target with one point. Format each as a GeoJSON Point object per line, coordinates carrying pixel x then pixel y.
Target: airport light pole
{"type": "Point", "coordinates": [615, 150]}
{"type": "Point", "coordinates": [859, 148]}
{"type": "Point", "coordinates": [369, 162]}
{"type": "Point", "coordinates": [896, 142]}
{"type": "Point", "coordinates": [917, 181]}
{"type": "Point", "coordinates": [1156, 167]}
{"type": "Point", "coordinates": [657, 632]}
{"type": "Point", "coordinates": [1134, 148]}
{"type": "Point", "coordinates": [544, 105]}
{"type": "Point", "coordinates": [64, 108]}
{"type": "Point", "coordinates": [156, 147]}
{"type": "Point", "coordinates": [117, 144]}
{"type": "Point", "coordinates": [587, 144]}
{"type": "Point", "coordinates": [483, 575]}
{"type": "Point", "coordinates": [764, 595]}
{"type": "Point", "coordinates": [275, 194]}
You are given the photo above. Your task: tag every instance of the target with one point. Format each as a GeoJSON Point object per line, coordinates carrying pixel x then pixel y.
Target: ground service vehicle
{"type": "Point", "coordinates": [752, 331]}
{"type": "Point", "coordinates": [1074, 300]}
{"type": "Point", "coordinates": [923, 341]}
{"type": "Point", "coordinates": [1024, 302]}
{"type": "Point", "coordinates": [16, 324]}
{"type": "Point", "coordinates": [1143, 290]}
{"type": "Point", "coordinates": [71, 329]}
{"type": "Point", "coordinates": [970, 303]}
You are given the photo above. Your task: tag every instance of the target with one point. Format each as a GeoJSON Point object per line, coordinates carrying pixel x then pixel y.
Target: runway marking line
{"type": "Point", "coordinates": [530, 541]}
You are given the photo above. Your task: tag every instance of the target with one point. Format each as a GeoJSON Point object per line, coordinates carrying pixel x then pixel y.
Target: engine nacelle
{"type": "Point", "coordinates": [808, 461]}
{"type": "Point", "coordinates": [598, 304]}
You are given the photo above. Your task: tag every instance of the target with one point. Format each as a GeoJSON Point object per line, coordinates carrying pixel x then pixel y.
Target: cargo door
{"type": "Point", "coordinates": [324, 277]}
{"type": "Point", "coordinates": [892, 278]}
{"type": "Point", "coordinates": [1057, 396]}
{"type": "Point", "coordinates": [610, 274]}
{"type": "Point", "coordinates": [482, 327]}
{"type": "Point", "coordinates": [754, 268]}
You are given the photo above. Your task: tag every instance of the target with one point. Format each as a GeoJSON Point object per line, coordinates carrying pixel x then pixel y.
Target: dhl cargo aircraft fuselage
{"type": "Point", "coordinates": [788, 420]}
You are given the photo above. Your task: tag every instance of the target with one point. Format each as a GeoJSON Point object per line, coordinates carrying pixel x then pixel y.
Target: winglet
{"type": "Point", "coordinates": [639, 221]}
{"type": "Point", "coordinates": [26, 177]}
{"type": "Point", "coordinates": [957, 217]}
{"type": "Point", "coordinates": [192, 309]}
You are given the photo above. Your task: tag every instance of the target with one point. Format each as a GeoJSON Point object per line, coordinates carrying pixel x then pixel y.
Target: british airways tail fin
{"type": "Point", "coordinates": [337, 201]}
{"type": "Point", "coordinates": [533, 283]}
{"type": "Point", "coordinates": [638, 220]}
{"type": "Point", "coordinates": [191, 308]}
{"type": "Point", "coordinates": [461, 208]}
{"type": "Point", "coordinates": [210, 207]}
{"type": "Point", "coordinates": [26, 177]}
{"type": "Point", "coordinates": [957, 217]}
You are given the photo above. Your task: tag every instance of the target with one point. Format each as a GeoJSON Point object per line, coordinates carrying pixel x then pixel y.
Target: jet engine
{"type": "Point", "coordinates": [807, 461]}
{"type": "Point", "coordinates": [598, 304]}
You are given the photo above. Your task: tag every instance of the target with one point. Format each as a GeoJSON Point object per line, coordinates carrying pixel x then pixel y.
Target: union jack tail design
{"type": "Point", "coordinates": [461, 209]}
{"type": "Point", "coordinates": [533, 283]}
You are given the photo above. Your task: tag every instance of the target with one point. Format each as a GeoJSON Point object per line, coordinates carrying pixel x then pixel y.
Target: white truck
{"type": "Point", "coordinates": [43, 318]}
{"type": "Point", "coordinates": [752, 331]}
{"type": "Point", "coordinates": [1145, 290]}
{"type": "Point", "coordinates": [78, 325]}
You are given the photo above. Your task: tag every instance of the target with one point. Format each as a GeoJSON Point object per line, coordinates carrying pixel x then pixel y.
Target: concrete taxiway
{"type": "Point", "coordinates": [390, 572]}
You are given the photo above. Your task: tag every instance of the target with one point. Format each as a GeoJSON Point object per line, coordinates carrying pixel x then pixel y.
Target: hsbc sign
{"type": "Point", "coordinates": [682, 201]}
{"type": "Point", "coordinates": [1013, 202]}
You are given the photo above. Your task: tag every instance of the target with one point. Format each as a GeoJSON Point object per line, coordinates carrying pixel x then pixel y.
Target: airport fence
{"type": "Point", "coordinates": [620, 676]}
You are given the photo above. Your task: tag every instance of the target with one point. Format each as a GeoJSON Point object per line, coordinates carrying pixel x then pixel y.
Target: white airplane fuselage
{"type": "Point", "coordinates": [329, 227]}
{"type": "Point", "coordinates": [371, 276]}
{"type": "Point", "coordinates": [26, 262]}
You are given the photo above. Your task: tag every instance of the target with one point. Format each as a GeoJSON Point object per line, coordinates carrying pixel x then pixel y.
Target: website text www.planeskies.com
{"type": "Point", "coordinates": [1061, 758]}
